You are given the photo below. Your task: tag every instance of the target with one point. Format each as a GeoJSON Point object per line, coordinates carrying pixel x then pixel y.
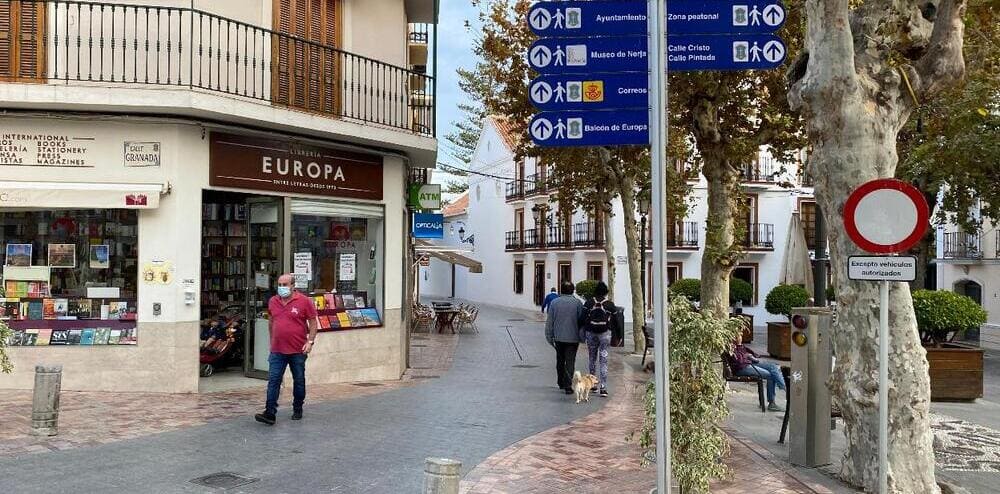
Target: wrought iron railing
{"type": "Point", "coordinates": [514, 190]}
{"type": "Point", "coordinates": [535, 184]}
{"type": "Point", "coordinates": [962, 245]}
{"type": "Point", "coordinates": [558, 237]}
{"type": "Point", "coordinates": [534, 238]}
{"type": "Point", "coordinates": [760, 172]}
{"type": "Point", "coordinates": [512, 240]}
{"type": "Point", "coordinates": [419, 33]}
{"type": "Point", "coordinates": [680, 234]}
{"type": "Point", "coordinates": [759, 236]}
{"type": "Point", "coordinates": [587, 235]}
{"type": "Point", "coordinates": [114, 44]}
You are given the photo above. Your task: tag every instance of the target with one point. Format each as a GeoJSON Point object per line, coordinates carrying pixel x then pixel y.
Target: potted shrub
{"type": "Point", "coordinates": [781, 301]}
{"type": "Point", "coordinates": [689, 288]}
{"type": "Point", "coordinates": [585, 289]}
{"type": "Point", "coordinates": [956, 369]}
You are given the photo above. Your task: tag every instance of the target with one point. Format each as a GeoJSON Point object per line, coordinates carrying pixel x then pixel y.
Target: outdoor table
{"type": "Point", "coordinates": [445, 317]}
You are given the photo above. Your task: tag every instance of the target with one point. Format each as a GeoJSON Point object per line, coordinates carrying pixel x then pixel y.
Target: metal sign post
{"type": "Point", "coordinates": [658, 97]}
{"type": "Point", "coordinates": [884, 216]}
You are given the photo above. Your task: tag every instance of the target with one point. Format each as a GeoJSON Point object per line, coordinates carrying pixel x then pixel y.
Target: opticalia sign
{"type": "Point", "coordinates": [428, 225]}
{"type": "Point", "coordinates": [425, 196]}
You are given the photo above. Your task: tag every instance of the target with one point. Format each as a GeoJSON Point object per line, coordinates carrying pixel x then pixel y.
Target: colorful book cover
{"type": "Point", "coordinates": [129, 337]}
{"type": "Point", "coordinates": [73, 308]}
{"type": "Point", "coordinates": [114, 336]}
{"type": "Point", "coordinates": [3, 309]}
{"type": "Point", "coordinates": [101, 336]}
{"type": "Point", "coordinates": [48, 308]}
{"type": "Point", "coordinates": [35, 310]}
{"type": "Point", "coordinates": [44, 336]}
{"type": "Point", "coordinates": [85, 308]}
{"type": "Point", "coordinates": [61, 307]}
{"type": "Point", "coordinates": [74, 337]}
{"type": "Point", "coordinates": [87, 337]}
{"type": "Point", "coordinates": [356, 319]}
{"type": "Point", "coordinates": [371, 317]}
{"type": "Point", "coordinates": [117, 309]}
{"type": "Point", "coordinates": [16, 336]}
{"type": "Point", "coordinates": [344, 320]}
{"type": "Point", "coordinates": [340, 301]}
{"type": "Point", "coordinates": [30, 337]}
{"type": "Point", "coordinates": [22, 289]}
{"type": "Point", "coordinates": [320, 302]}
{"type": "Point", "coordinates": [360, 299]}
{"type": "Point", "coordinates": [334, 322]}
{"type": "Point", "coordinates": [22, 312]}
{"type": "Point", "coordinates": [324, 322]}
{"type": "Point", "coordinates": [331, 303]}
{"type": "Point", "coordinates": [59, 337]}
{"type": "Point", "coordinates": [349, 301]}
{"type": "Point", "coordinates": [10, 287]}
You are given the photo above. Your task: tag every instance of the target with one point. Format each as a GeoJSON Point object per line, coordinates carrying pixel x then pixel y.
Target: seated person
{"type": "Point", "coordinates": [213, 331]}
{"type": "Point", "coordinates": [744, 362]}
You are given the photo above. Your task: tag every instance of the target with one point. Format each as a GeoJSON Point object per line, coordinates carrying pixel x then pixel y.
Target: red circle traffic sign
{"type": "Point", "coordinates": [886, 215]}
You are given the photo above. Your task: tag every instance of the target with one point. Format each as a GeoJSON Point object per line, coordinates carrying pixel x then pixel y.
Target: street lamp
{"type": "Point", "coordinates": [643, 212]}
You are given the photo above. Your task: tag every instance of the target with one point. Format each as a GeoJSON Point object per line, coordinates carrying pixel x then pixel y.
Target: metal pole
{"type": "Point", "coordinates": [658, 98]}
{"type": "Point", "coordinates": [883, 389]}
{"type": "Point", "coordinates": [819, 268]}
{"type": "Point", "coordinates": [642, 261]}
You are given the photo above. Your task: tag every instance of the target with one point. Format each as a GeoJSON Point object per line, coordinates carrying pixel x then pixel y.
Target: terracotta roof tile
{"type": "Point", "coordinates": [505, 131]}
{"type": "Point", "coordinates": [458, 206]}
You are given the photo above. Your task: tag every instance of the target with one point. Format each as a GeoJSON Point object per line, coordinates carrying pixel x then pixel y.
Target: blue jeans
{"type": "Point", "coordinates": [276, 371]}
{"type": "Point", "coordinates": [766, 370]}
{"type": "Point", "coordinates": [597, 345]}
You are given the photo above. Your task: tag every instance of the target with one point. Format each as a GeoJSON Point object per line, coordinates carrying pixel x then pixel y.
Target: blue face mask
{"type": "Point", "coordinates": [284, 291]}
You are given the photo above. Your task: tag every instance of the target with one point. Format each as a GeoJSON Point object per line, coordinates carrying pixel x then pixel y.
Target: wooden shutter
{"type": "Point", "coordinates": [307, 67]}
{"type": "Point", "coordinates": [22, 41]}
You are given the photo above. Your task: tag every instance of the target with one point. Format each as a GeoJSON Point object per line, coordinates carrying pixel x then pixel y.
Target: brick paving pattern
{"type": "Point", "coordinates": [592, 454]}
{"type": "Point", "coordinates": [93, 418]}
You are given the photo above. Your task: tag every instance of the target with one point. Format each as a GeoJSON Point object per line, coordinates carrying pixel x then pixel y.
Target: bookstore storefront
{"type": "Point", "coordinates": [109, 272]}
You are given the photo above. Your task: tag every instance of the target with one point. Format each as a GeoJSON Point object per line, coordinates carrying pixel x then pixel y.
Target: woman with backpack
{"type": "Point", "coordinates": [596, 324]}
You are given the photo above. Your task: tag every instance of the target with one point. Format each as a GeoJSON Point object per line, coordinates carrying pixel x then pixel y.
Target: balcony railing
{"type": "Point", "coordinates": [759, 236]}
{"type": "Point", "coordinates": [158, 46]}
{"type": "Point", "coordinates": [534, 238]}
{"type": "Point", "coordinates": [535, 184]}
{"type": "Point", "coordinates": [558, 238]}
{"type": "Point", "coordinates": [588, 235]}
{"type": "Point", "coordinates": [962, 245]}
{"type": "Point", "coordinates": [513, 240]}
{"type": "Point", "coordinates": [758, 172]}
{"type": "Point", "coordinates": [514, 190]}
{"type": "Point", "coordinates": [419, 34]}
{"type": "Point", "coordinates": [680, 235]}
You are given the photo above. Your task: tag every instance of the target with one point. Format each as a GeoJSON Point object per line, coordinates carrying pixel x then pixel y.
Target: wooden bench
{"type": "Point", "coordinates": [728, 375]}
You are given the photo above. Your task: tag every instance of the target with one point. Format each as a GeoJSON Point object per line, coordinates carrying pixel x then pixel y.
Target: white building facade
{"type": "Point", "coordinates": [528, 246]}
{"type": "Point", "coordinates": [969, 263]}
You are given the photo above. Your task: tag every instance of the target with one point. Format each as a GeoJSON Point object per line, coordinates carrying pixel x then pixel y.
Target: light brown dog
{"type": "Point", "coordinates": [582, 384]}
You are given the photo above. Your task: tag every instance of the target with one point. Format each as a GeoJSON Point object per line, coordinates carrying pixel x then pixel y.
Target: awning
{"type": "Point", "coordinates": [79, 195]}
{"type": "Point", "coordinates": [447, 254]}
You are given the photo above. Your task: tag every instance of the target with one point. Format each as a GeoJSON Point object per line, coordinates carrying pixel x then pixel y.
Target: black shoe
{"type": "Point", "coordinates": [297, 415]}
{"type": "Point", "coordinates": [569, 391]}
{"type": "Point", "coordinates": [265, 418]}
{"type": "Point", "coordinates": [604, 393]}
{"type": "Point", "coordinates": [593, 390]}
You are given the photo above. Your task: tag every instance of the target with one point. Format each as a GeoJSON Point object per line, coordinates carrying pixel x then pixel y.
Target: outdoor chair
{"type": "Point", "coordinates": [423, 316]}
{"type": "Point", "coordinates": [467, 315]}
{"type": "Point", "coordinates": [647, 335]}
{"type": "Point", "coordinates": [728, 375]}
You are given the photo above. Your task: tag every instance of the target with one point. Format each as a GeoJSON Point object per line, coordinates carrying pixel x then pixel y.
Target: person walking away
{"type": "Point", "coordinates": [562, 331]}
{"type": "Point", "coordinates": [744, 362]}
{"type": "Point", "coordinates": [596, 321]}
{"type": "Point", "coordinates": [292, 326]}
{"type": "Point", "coordinates": [549, 298]}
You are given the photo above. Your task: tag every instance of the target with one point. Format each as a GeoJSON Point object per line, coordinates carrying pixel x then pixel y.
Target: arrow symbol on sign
{"type": "Point", "coordinates": [541, 56]}
{"type": "Point", "coordinates": [541, 129]}
{"type": "Point", "coordinates": [540, 19]}
{"type": "Point", "coordinates": [773, 15]}
{"type": "Point", "coordinates": [541, 92]}
{"type": "Point", "coordinates": [774, 51]}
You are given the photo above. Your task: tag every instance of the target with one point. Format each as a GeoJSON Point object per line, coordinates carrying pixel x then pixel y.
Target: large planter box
{"type": "Point", "coordinates": [956, 372]}
{"type": "Point", "coordinates": [779, 340]}
{"type": "Point", "coordinates": [748, 329]}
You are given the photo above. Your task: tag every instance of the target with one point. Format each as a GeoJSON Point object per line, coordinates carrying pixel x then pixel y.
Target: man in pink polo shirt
{"type": "Point", "coordinates": [293, 326]}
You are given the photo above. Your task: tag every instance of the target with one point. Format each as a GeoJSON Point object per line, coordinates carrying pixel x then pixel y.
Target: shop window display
{"type": "Point", "coordinates": [70, 276]}
{"type": "Point", "coordinates": [337, 260]}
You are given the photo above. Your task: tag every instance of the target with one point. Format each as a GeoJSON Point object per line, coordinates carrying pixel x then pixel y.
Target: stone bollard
{"type": "Point", "coordinates": [441, 476]}
{"type": "Point", "coordinates": [45, 401]}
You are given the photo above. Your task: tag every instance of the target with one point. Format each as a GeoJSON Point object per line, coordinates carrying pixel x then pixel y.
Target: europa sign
{"type": "Point", "coordinates": [285, 166]}
{"type": "Point", "coordinates": [425, 196]}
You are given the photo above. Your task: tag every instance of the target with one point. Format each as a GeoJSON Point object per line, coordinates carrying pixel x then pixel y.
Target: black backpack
{"type": "Point", "coordinates": [599, 318]}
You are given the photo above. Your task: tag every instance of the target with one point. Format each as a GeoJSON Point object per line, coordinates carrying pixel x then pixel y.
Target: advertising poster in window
{"type": "Point", "coordinates": [348, 267]}
{"type": "Point", "coordinates": [100, 257]}
{"type": "Point", "coordinates": [18, 255]}
{"type": "Point", "coordinates": [62, 255]}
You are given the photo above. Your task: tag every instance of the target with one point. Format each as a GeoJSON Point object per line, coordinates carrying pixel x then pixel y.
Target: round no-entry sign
{"type": "Point", "coordinates": [885, 216]}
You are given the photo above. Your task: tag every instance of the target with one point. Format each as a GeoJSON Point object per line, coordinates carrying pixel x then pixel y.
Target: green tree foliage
{"type": "Point", "coordinates": [783, 298]}
{"type": "Point", "coordinates": [740, 291]}
{"type": "Point", "coordinates": [941, 312]}
{"type": "Point", "coordinates": [690, 288]}
{"type": "Point", "coordinates": [585, 288]}
{"type": "Point", "coordinates": [697, 397]}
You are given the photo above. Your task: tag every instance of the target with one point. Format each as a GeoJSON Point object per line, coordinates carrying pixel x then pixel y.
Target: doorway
{"type": "Point", "coordinates": [970, 289]}
{"type": "Point", "coordinates": [241, 260]}
{"type": "Point", "coordinates": [539, 287]}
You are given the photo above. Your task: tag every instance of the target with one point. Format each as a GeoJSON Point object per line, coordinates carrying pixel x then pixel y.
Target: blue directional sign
{"type": "Point", "coordinates": [588, 18]}
{"type": "Point", "coordinates": [593, 128]}
{"type": "Point", "coordinates": [428, 225]}
{"type": "Point", "coordinates": [734, 52]}
{"type": "Point", "coordinates": [590, 92]}
{"type": "Point", "coordinates": [724, 17]}
{"type": "Point", "coordinates": [588, 55]}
